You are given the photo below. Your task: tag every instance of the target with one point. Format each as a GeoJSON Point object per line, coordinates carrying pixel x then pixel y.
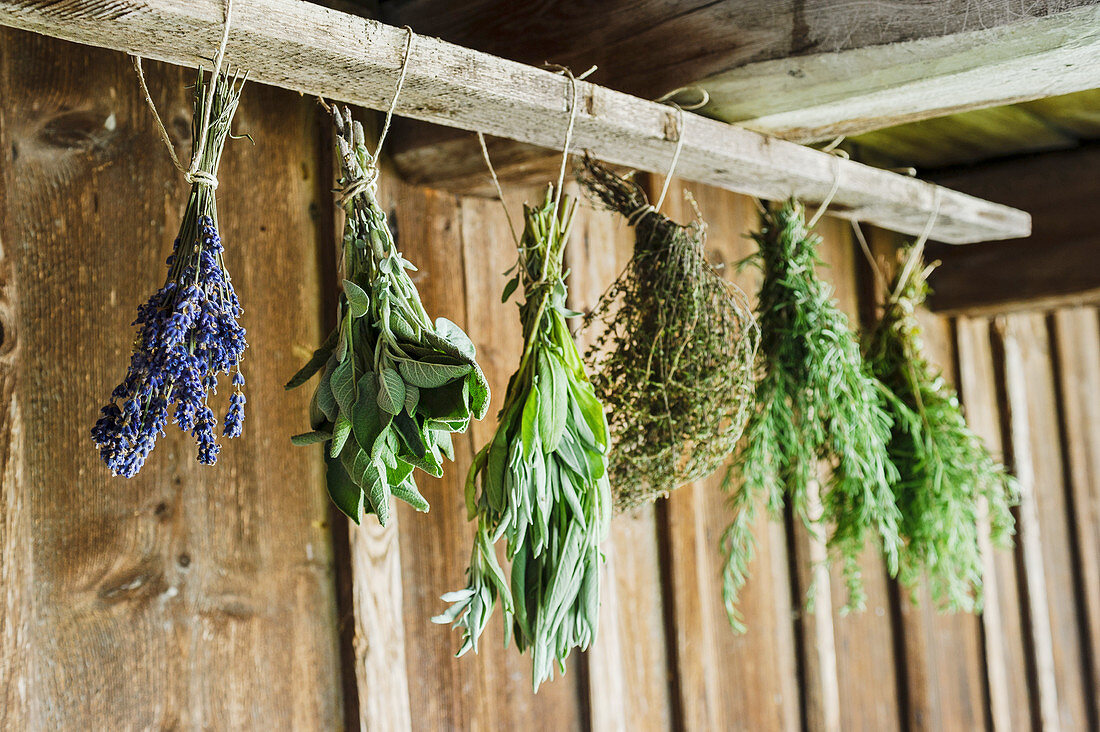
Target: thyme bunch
{"type": "Point", "coordinates": [541, 482]}
{"type": "Point", "coordinates": [674, 361]}
{"type": "Point", "coordinates": [188, 334]}
{"type": "Point", "coordinates": [816, 400]}
{"type": "Point", "coordinates": [945, 468]}
{"type": "Point", "coordinates": [394, 385]}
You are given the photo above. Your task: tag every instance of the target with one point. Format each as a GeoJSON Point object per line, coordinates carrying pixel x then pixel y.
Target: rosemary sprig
{"type": "Point", "coordinates": [816, 400]}
{"type": "Point", "coordinates": [945, 468]}
{"type": "Point", "coordinates": [394, 386]}
{"type": "Point", "coordinates": [674, 362]}
{"type": "Point", "coordinates": [540, 483]}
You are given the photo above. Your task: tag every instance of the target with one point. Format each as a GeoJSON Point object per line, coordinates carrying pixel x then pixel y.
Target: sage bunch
{"type": "Point", "coordinates": [945, 470]}
{"type": "Point", "coordinates": [541, 483]}
{"type": "Point", "coordinates": [394, 385]}
{"type": "Point", "coordinates": [674, 361]}
{"type": "Point", "coordinates": [816, 401]}
{"type": "Point", "coordinates": [188, 334]}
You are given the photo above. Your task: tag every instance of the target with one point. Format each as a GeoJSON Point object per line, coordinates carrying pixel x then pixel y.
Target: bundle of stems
{"type": "Point", "coordinates": [541, 482]}
{"type": "Point", "coordinates": [394, 385]}
{"type": "Point", "coordinates": [816, 402]}
{"type": "Point", "coordinates": [674, 361]}
{"type": "Point", "coordinates": [188, 332]}
{"type": "Point", "coordinates": [945, 471]}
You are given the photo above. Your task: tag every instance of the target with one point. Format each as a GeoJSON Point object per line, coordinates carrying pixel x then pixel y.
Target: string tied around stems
{"type": "Point", "coordinates": [369, 179]}
{"type": "Point", "coordinates": [192, 173]}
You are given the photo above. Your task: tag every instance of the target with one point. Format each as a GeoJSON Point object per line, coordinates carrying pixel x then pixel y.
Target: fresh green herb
{"type": "Point", "coordinates": [394, 386]}
{"type": "Point", "coordinates": [945, 469]}
{"type": "Point", "coordinates": [674, 363]}
{"type": "Point", "coordinates": [542, 478]}
{"type": "Point", "coordinates": [815, 401]}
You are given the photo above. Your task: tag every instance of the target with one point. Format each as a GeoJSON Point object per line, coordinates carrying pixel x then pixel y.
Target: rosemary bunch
{"type": "Point", "coordinates": [188, 332]}
{"type": "Point", "coordinates": [816, 400]}
{"type": "Point", "coordinates": [540, 483]}
{"type": "Point", "coordinates": [945, 469]}
{"type": "Point", "coordinates": [675, 360]}
{"type": "Point", "coordinates": [394, 385]}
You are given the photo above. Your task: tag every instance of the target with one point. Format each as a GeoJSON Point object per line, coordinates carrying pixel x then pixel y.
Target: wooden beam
{"type": "Point", "coordinates": [316, 50]}
{"type": "Point", "coordinates": [796, 72]}
{"type": "Point", "coordinates": [1056, 266]}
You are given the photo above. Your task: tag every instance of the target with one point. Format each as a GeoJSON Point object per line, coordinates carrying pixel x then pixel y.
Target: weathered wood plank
{"type": "Point", "coordinates": [728, 681]}
{"type": "Point", "coordinates": [1006, 657]}
{"type": "Point", "coordinates": [868, 665]}
{"type": "Point", "coordinates": [943, 660]}
{"type": "Point", "coordinates": [1077, 338]}
{"type": "Point", "coordinates": [316, 50]}
{"type": "Point", "coordinates": [796, 70]}
{"type": "Point", "coordinates": [205, 593]}
{"type": "Point", "coordinates": [1044, 525]}
{"type": "Point", "coordinates": [1056, 266]}
{"type": "Point", "coordinates": [627, 667]}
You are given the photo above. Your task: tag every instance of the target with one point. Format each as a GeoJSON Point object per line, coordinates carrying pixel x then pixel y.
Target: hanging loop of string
{"type": "Point", "coordinates": [191, 174]}
{"type": "Point", "coordinates": [704, 98]}
{"type": "Point", "coordinates": [838, 155]}
{"type": "Point", "coordinates": [496, 184]}
{"type": "Point", "coordinates": [916, 253]}
{"type": "Point", "coordinates": [410, 37]}
{"type": "Point", "coordinates": [569, 128]}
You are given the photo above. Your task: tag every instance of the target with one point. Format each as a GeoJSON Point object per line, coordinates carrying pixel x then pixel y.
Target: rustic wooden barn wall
{"type": "Point", "coordinates": [231, 597]}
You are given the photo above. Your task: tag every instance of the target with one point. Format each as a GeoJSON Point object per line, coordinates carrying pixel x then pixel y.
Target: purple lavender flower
{"type": "Point", "coordinates": [188, 334]}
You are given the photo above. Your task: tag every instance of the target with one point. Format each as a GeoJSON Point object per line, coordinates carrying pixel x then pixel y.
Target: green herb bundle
{"type": "Point", "coordinates": [541, 482]}
{"type": "Point", "coordinates": [945, 469]}
{"type": "Point", "coordinates": [394, 386]}
{"type": "Point", "coordinates": [816, 400]}
{"type": "Point", "coordinates": [675, 360]}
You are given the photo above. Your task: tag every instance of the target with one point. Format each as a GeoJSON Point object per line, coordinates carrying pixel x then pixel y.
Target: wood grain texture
{"type": "Point", "coordinates": [1046, 536]}
{"type": "Point", "coordinates": [627, 667]}
{"type": "Point", "coordinates": [317, 50]}
{"type": "Point", "coordinates": [1056, 266]}
{"type": "Point", "coordinates": [1077, 340]}
{"type": "Point", "coordinates": [868, 665]}
{"type": "Point", "coordinates": [1005, 641]}
{"type": "Point", "coordinates": [187, 597]}
{"type": "Point", "coordinates": [728, 681]}
{"type": "Point", "coordinates": [943, 659]}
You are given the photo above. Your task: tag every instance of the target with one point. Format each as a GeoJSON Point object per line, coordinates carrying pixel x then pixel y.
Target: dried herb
{"type": "Point", "coordinates": [188, 332]}
{"type": "Point", "coordinates": [675, 360]}
{"type": "Point", "coordinates": [945, 469]}
{"type": "Point", "coordinates": [542, 478]}
{"type": "Point", "coordinates": [394, 386]}
{"type": "Point", "coordinates": [816, 400]}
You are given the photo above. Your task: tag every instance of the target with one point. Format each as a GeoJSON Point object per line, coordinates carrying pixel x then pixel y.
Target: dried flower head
{"type": "Point", "coordinates": [188, 330]}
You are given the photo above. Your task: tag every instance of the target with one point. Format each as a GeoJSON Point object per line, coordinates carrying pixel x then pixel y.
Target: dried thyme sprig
{"type": "Point", "coordinates": [675, 360]}
{"type": "Point", "coordinates": [542, 478]}
{"type": "Point", "coordinates": [945, 468]}
{"type": "Point", "coordinates": [188, 331]}
{"type": "Point", "coordinates": [816, 401]}
{"type": "Point", "coordinates": [394, 386]}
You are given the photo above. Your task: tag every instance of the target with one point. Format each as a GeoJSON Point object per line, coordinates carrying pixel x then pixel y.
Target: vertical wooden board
{"type": "Point", "coordinates": [867, 665]}
{"type": "Point", "coordinates": [460, 247]}
{"type": "Point", "coordinates": [1003, 640]}
{"type": "Point", "coordinates": [943, 656]}
{"type": "Point", "coordinates": [726, 680]}
{"type": "Point", "coordinates": [205, 594]}
{"type": "Point", "coordinates": [1055, 545]}
{"type": "Point", "coordinates": [628, 671]}
{"type": "Point", "coordinates": [1077, 336]}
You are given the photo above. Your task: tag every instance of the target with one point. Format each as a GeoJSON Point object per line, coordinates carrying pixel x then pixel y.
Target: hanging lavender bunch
{"type": "Point", "coordinates": [187, 331]}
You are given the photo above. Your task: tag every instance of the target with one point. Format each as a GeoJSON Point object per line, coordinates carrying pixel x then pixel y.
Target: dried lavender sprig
{"type": "Point", "coordinates": [188, 332]}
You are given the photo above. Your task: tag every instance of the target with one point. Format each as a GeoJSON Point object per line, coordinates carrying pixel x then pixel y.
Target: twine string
{"type": "Point", "coordinates": [191, 174]}
{"type": "Point", "coordinates": [496, 184]}
{"type": "Point", "coordinates": [675, 155]}
{"type": "Point", "coordinates": [831, 148]}
{"type": "Point", "coordinates": [397, 91]}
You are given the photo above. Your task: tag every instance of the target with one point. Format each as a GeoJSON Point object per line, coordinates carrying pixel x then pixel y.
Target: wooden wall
{"type": "Point", "coordinates": [231, 597]}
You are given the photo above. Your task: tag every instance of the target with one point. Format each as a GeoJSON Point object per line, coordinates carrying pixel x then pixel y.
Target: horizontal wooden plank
{"type": "Point", "coordinates": [1056, 266]}
{"type": "Point", "coordinates": [318, 50]}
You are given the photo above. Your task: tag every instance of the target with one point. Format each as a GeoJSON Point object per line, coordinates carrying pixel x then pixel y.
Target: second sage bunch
{"type": "Point", "coordinates": [541, 483]}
